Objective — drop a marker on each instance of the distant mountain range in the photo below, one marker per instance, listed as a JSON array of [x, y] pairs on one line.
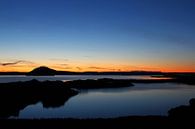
[[48, 71], [45, 71]]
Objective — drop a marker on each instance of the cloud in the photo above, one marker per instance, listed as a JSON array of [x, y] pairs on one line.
[[59, 59], [10, 63], [63, 64], [101, 68], [15, 63], [66, 67], [79, 68], [127, 68]]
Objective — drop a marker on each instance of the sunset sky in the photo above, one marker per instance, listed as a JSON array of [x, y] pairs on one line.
[[98, 35]]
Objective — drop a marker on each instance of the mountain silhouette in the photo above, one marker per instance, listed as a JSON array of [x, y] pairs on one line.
[[42, 71]]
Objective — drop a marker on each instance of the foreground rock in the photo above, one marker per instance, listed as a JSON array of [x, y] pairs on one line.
[[183, 112], [17, 95]]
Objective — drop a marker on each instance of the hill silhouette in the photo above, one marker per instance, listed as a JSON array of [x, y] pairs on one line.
[[42, 71], [46, 71]]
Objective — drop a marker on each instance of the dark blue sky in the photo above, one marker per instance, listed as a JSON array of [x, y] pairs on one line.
[[131, 34]]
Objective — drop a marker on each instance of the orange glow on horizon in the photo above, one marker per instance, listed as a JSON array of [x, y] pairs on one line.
[[98, 66], [84, 68]]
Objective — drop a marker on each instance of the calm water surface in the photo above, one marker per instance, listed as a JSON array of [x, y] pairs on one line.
[[13, 78], [141, 99]]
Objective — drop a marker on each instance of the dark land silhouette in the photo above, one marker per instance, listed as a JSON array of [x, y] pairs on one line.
[[177, 77], [45, 71], [15, 96], [186, 78], [42, 71], [183, 112]]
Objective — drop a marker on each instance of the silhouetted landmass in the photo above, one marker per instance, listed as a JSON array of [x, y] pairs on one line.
[[42, 71], [100, 83], [45, 71], [184, 112], [88, 73], [186, 78], [147, 122], [97, 73], [16, 96]]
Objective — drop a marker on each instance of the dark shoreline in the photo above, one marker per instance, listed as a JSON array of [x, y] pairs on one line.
[[111, 123], [135, 122]]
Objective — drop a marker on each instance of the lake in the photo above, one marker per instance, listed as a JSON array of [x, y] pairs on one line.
[[141, 99], [14, 78]]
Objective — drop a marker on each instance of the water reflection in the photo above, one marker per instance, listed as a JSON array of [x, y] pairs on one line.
[[14, 97], [11, 106], [14, 78], [143, 99]]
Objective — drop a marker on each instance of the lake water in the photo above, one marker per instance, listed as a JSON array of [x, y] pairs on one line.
[[14, 78], [141, 99]]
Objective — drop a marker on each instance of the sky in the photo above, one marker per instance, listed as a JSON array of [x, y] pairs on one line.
[[98, 35]]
